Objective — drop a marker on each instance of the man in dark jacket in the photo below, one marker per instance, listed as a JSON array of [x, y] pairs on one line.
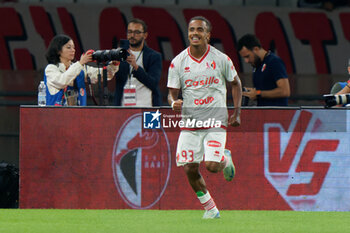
[[137, 81]]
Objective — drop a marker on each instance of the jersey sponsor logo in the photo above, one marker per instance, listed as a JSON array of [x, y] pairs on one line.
[[207, 100], [263, 67], [213, 143], [298, 162], [211, 66], [82, 92], [138, 157], [202, 82], [172, 65], [187, 69]]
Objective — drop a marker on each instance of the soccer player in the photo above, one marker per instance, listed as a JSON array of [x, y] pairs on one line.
[[201, 72]]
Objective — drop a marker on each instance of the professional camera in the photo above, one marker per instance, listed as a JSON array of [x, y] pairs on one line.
[[332, 100], [119, 54]]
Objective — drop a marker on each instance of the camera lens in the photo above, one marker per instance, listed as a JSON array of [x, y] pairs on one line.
[[118, 54], [332, 100]]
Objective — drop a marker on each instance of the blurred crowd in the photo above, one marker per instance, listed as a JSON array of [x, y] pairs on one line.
[[328, 5]]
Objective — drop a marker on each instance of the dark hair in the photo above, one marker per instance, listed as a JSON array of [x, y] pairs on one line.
[[202, 18], [53, 51], [139, 21], [249, 41]]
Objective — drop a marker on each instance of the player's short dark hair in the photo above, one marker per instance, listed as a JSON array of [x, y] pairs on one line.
[[139, 21], [55, 47], [202, 18], [249, 41]]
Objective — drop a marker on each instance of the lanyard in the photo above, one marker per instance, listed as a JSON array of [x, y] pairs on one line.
[[132, 69]]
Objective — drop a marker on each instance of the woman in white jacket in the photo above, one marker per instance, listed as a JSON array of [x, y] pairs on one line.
[[65, 79]]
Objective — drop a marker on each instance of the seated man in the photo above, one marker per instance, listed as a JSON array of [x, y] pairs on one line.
[[271, 85]]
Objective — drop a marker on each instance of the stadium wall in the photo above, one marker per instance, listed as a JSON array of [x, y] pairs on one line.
[[310, 41], [106, 158]]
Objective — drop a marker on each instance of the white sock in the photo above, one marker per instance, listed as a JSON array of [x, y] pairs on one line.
[[208, 202]]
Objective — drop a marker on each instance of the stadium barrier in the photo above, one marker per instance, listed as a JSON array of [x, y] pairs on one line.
[[106, 158]]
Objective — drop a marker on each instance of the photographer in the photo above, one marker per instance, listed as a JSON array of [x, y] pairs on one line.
[[340, 98], [137, 81], [65, 80], [345, 90]]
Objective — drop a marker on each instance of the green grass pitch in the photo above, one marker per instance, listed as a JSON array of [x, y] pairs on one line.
[[167, 221]]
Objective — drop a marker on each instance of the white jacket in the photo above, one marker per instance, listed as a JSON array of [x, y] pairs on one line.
[[58, 77]]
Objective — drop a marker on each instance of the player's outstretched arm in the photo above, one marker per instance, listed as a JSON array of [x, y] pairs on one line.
[[174, 102], [235, 119]]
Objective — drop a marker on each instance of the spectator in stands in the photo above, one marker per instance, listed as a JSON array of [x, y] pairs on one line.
[[328, 5], [65, 79], [271, 85], [137, 81]]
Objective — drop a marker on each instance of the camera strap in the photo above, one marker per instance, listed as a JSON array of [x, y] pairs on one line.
[[129, 95], [90, 87], [132, 69]]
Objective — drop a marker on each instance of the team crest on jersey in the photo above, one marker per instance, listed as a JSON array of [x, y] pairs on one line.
[[213, 65], [263, 67], [172, 65]]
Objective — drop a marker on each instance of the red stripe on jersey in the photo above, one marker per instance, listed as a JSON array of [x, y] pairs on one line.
[[195, 59]]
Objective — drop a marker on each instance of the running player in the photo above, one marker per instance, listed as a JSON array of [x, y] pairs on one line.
[[201, 72]]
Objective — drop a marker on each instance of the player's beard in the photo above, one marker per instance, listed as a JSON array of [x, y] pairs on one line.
[[137, 43], [257, 61]]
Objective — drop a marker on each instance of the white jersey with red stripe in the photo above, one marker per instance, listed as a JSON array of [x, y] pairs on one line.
[[202, 83]]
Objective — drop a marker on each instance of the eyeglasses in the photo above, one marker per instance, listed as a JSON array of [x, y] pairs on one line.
[[136, 32]]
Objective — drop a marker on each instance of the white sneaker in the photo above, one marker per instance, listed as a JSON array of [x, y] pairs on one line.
[[230, 170], [211, 214]]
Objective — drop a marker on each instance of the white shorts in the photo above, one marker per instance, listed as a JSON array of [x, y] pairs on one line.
[[200, 145]]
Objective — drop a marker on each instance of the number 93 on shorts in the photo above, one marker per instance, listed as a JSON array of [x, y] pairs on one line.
[[200, 145]]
